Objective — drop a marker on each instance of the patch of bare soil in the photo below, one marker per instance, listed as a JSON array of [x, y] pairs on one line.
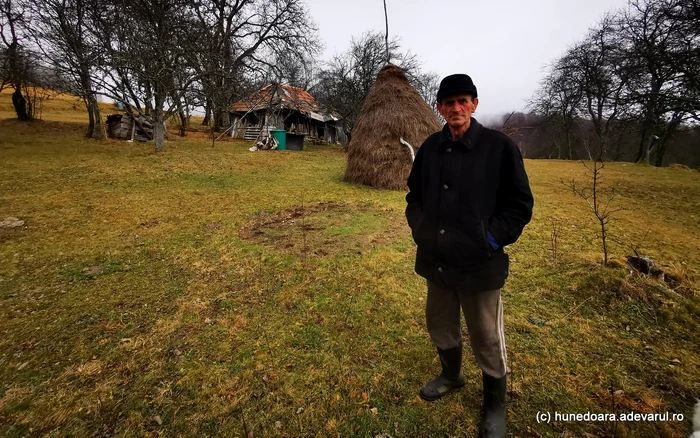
[[321, 229]]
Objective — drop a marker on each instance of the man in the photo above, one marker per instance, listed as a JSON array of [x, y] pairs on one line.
[[469, 196]]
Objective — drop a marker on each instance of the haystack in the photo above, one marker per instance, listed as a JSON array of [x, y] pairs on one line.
[[392, 110]]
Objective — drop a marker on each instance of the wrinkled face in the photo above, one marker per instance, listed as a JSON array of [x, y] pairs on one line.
[[457, 110]]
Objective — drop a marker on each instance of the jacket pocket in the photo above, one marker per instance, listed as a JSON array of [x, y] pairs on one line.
[[471, 244], [415, 231]]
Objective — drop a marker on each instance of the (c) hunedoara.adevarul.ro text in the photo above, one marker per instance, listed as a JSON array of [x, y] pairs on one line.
[[565, 417]]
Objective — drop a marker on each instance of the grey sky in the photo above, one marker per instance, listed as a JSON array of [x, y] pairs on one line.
[[503, 45]]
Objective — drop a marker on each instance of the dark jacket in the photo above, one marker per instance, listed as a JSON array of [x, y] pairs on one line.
[[459, 191]]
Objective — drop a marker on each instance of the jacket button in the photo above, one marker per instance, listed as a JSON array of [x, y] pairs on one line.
[[445, 186], [440, 269], [442, 231], [449, 149]]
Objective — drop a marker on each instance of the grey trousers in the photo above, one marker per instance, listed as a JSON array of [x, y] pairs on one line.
[[483, 312]]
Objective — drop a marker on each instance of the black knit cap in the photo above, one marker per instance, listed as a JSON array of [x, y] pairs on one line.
[[456, 84]]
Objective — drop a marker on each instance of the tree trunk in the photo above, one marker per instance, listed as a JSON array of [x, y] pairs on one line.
[[555, 147], [98, 133], [618, 145], [224, 119], [604, 148], [148, 99], [94, 120], [207, 114], [183, 123], [642, 143], [605, 243], [617, 153], [158, 129], [20, 104], [95, 126], [647, 149], [650, 120], [662, 143], [660, 152], [91, 119], [215, 119], [30, 104]]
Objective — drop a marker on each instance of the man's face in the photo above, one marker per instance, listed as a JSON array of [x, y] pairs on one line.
[[457, 110]]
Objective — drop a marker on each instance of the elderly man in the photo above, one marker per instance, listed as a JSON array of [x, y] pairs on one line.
[[469, 197]]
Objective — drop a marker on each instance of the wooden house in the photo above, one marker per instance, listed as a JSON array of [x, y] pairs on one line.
[[279, 106]]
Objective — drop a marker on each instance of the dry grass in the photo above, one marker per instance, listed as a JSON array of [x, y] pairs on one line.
[[190, 292]]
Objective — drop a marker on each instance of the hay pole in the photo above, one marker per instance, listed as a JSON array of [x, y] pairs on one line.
[[386, 34], [410, 148]]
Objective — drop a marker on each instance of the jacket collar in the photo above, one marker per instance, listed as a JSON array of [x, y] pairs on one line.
[[468, 139]]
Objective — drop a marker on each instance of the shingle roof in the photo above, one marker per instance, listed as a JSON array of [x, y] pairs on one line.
[[290, 97]]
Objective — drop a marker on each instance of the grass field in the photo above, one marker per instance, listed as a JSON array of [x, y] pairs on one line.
[[213, 291]]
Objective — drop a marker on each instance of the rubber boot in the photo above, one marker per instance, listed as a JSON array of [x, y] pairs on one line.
[[450, 378], [493, 416]]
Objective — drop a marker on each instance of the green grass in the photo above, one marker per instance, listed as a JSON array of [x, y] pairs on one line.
[[212, 287]]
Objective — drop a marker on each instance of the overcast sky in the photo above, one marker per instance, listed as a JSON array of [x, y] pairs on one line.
[[503, 45]]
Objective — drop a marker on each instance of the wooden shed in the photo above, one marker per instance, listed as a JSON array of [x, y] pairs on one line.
[[129, 127], [279, 106]]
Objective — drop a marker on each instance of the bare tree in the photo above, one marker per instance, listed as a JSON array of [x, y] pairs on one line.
[[244, 40], [598, 65], [186, 102], [427, 84], [684, 52], [146, 48], [651, 35], [599, 199], [554, 237], [16, 67], [664, 43], [344, 82], [558, 101], [63, 32], [297, 70], [638, 72]]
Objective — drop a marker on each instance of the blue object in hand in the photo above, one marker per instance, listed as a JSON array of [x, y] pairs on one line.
[[492, 242]]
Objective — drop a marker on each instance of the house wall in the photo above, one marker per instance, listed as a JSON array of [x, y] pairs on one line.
[[329, 132], [275, 120], [325, 131], [295, 123], [240, 124], [340, 135]]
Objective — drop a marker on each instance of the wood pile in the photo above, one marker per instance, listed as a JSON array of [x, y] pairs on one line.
[[129, 127]]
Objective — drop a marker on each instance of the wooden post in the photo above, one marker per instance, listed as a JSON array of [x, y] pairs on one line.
[[386, 35], [133, 128]]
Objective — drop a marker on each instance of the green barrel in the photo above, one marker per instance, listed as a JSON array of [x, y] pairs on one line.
[[281, 137]]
